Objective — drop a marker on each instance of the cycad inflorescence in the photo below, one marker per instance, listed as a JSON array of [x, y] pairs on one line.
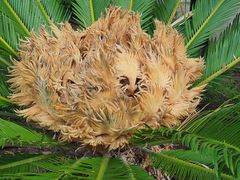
[[99, 85]]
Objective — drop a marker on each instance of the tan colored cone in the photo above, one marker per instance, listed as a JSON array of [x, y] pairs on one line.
[[100, 85]]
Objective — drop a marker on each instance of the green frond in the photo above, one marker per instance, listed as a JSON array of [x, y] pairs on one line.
[[88, 11], [179, 24], [5, 49], [223, 125], [9, 43], [57, 167], [8, 10], [12, 165], [4, 88], [191, 156], [208, 16], [223, 53], [216, 93], [103, 168], [39, 12], [31, 20], [4, 91], [3, 62], [19, 18], [183, 169], [4, 102], [215, 134], [150, 138], [150, 135], [12, 133], [146, 9], [224, 156], [56, 10], [166, 10]]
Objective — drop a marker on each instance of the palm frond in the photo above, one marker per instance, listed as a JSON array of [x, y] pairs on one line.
[[179, 24], [223, 125], [12, 133], [18, 18], [57, 167], [4, 102], [88, 11], [216, 93], [208, 16], [39, 12], [166, 10], [224, 155], [146, 9], [9, 11], [3, 61], [149, 137], [9, 38], [215, 134], [4, 90], [16, 164], [56, 10], [222, 53], [31, 20], [183, 169], [191, 156]]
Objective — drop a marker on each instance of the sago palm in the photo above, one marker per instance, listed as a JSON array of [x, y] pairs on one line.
[[115, 89]]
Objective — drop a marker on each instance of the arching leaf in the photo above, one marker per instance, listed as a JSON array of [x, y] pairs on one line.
[[88, 11], [208, 16], [19, 18], [183, 169], [223, 53], [12, 133], [57, 167], [166, 10]]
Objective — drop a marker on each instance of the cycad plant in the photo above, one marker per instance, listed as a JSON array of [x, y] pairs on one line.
[[119, 91]]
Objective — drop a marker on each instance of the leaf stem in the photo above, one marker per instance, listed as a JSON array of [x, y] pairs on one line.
[[3, 61], [16, 17], [173, 12], [70, 169], [130, 171], [167, 158], [91, 11], [204, 24], [219, 72], [103, 168], [131, 5], [180, 19], [25, 161], [11, 50], [204, 139], [4, 114], [5, 100], [43, 11]]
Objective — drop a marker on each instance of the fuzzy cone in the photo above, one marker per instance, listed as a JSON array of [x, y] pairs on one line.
[[99, 85]]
